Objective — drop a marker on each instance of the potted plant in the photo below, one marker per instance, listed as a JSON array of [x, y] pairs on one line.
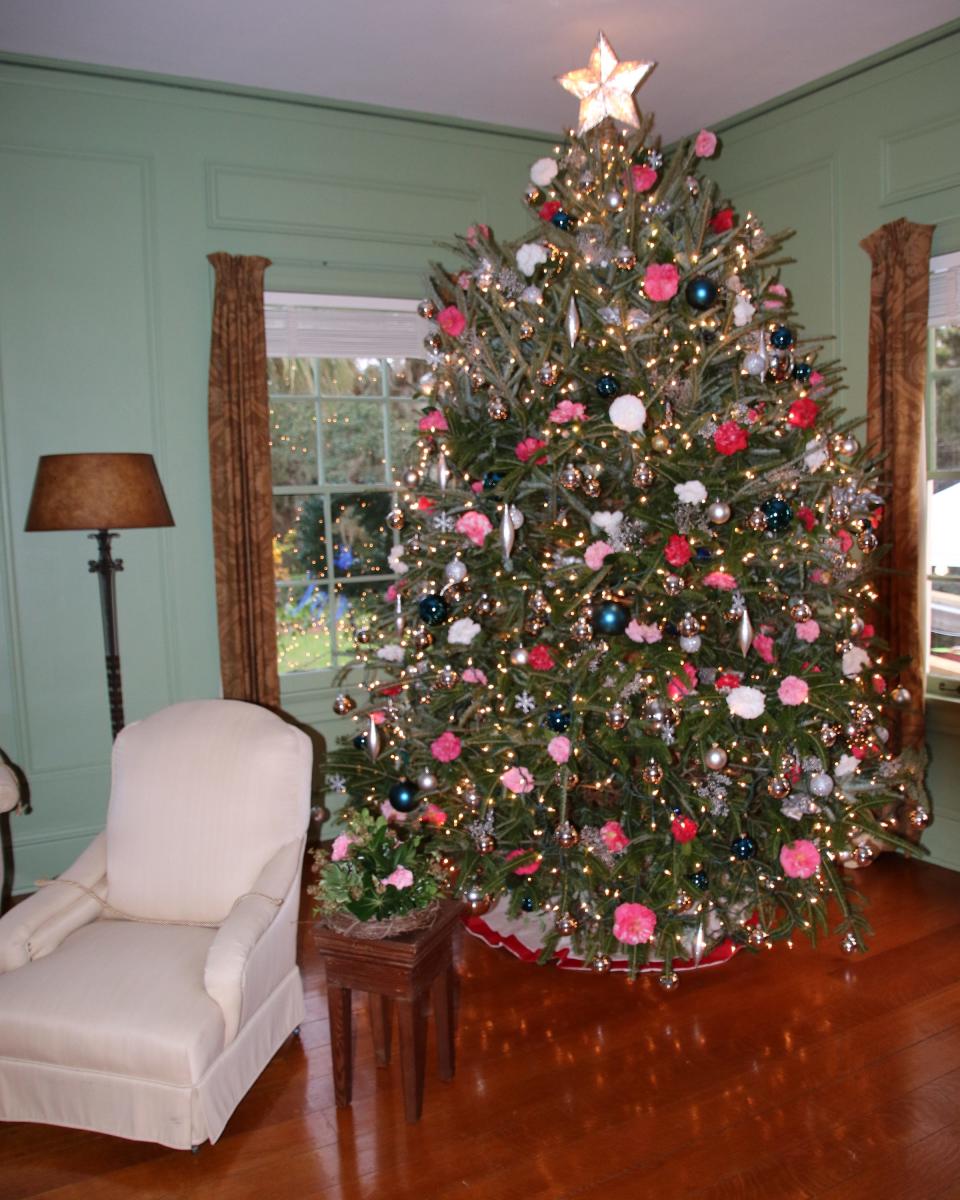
[[377, 880]]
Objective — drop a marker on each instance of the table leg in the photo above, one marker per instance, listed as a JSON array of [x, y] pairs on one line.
[[412, 1024], [341, 1043], [443, 1015], [381, 1025]]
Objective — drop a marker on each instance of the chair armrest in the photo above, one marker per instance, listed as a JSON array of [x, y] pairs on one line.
[[9, 789], [248, 921], [37, 925]]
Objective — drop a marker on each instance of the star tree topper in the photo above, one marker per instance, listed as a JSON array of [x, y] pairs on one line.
[[605, 87]]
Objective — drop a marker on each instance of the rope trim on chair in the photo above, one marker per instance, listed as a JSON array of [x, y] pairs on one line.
[[108, 909]]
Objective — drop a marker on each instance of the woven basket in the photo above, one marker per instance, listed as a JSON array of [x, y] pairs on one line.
[[351, 926]]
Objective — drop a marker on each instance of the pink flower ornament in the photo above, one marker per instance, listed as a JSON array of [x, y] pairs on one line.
[[341, 847], [763, 644], [634, 924], [446, 747], [451, 320], [799, 859], [474, 526], [474, 675], [720, 580], [529, 448], [660, 281], [793, 690], [517, 780], [643, 633], [807, 631], [613, 837], [433, 422], [529, 868], [706, 144], [595, 553], [566, 411], [559, 749]]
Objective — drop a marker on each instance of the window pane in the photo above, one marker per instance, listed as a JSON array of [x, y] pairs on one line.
[[357, 606], [352, 433], [303, 627], [293, 441], [404, 419], [946, 346], [360, 537], [350, 377], [291, 376], [404, 375], [946, 399], [299, 545], [945, 627]]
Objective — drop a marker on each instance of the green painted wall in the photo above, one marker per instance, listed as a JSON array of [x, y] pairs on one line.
[[835, 164], [112, 193]]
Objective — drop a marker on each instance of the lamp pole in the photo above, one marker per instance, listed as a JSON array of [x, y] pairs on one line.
[[106, 567]]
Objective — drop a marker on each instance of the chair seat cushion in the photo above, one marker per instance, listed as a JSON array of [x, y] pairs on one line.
[[119, 997]]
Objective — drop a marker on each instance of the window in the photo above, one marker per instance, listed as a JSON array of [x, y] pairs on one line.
[[344, 375], [943, 476]]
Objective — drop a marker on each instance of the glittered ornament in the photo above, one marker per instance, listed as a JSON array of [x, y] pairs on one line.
[[757, 520], [570, 477], [526, 331], [821, 785], [715, 759], [566, 924], [743, 847], [427, 309], [611, 618], [558, 719], [422, 638], [591, 487], [701, 293], [403, 795], [433, 609], [497, 409], [566, 835], [617, 717], [718, 513], [673, 585], [778, 513], [344, 704], [455, 570], [581, 630], [644, 476], [779, 365], [548, 374], [778, 787], [607, 386], [918, 817], [782, 337], [652, 773], [690, 645], [682, 901], [757, 936], [625, 259], [476, 899], [867, 541], [486, 843]]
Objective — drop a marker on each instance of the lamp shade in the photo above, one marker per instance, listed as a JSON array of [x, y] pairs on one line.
[[97, 491]]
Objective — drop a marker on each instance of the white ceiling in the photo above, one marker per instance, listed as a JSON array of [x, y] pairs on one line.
[[488, 60]]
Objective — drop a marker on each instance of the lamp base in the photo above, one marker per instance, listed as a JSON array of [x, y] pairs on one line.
[[106, 567]]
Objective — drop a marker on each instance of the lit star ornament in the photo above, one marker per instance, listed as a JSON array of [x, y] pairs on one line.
[[605, 88]]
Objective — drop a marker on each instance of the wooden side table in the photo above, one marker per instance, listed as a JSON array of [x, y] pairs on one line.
[[400, 969]]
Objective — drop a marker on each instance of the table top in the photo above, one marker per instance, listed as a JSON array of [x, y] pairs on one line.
[[404, 949]]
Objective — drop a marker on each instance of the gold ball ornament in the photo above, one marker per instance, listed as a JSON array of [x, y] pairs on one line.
[[660, 442], [566, 835], [497, 409], [652, 773], [486, 843], [778, 787], [581, 630], [427, 309], [757, 520], [477, 900], [566, 924], [919, 817], [600, 964], [344, 704], [673, 585], [617, 717], [446, 678], [644, 476], [422, 638], [471, 799], [801, 611], [591, 487], [548, 374], [525, 331], [570, 477], [396, 518]]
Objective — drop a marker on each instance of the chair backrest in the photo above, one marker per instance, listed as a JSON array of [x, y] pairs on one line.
[[9, 798], [203, 794]]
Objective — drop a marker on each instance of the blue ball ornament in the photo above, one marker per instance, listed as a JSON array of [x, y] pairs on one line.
[[701, 293], [611, 618], [491, 479], [360, 741], [562, 220], [743, 847], [608, 385], [527, 903], [782, 337], [433, 609], [802, 372], [703, 554], [558, 719], [778, 512], [699, 880], [403, 795]]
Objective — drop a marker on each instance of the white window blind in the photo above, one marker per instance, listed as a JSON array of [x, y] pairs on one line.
[[944, 308], [314, 326]]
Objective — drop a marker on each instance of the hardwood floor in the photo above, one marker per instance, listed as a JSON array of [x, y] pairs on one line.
[[790, 1074]]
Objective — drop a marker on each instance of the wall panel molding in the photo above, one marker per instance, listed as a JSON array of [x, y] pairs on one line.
[[920, 160]]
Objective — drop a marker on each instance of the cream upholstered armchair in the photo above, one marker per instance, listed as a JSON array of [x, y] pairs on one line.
[[144, 997]]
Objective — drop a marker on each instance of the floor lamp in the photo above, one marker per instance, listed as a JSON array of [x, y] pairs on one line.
[[101, 492]]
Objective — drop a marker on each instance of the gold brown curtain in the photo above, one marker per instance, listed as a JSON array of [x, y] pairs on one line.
[[899, 287], [240, 481]]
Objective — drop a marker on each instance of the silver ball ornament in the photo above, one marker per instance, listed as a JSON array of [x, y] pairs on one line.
[[411, 478], [919, 817], [519, 656], [821, 784], [617, 717], [455, 570], [690, 645], [718, 513], [754, 363], [715, 758], [613, 199], [427, 781], [673, 585], [644, 476], [566, 835], [477, 900], [486, 843], [600, 964], [901, 696], [566, 924]]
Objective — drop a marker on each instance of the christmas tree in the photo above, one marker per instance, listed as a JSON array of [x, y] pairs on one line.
[[627, 671]]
